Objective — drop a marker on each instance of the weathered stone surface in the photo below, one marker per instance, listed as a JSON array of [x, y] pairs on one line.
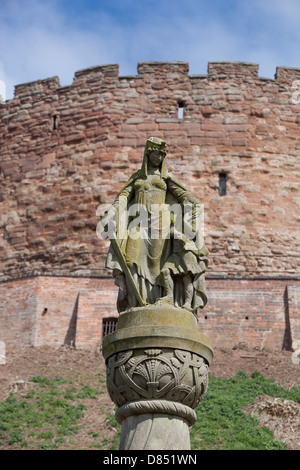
[[165, 323], [95, 115], [154, 432]]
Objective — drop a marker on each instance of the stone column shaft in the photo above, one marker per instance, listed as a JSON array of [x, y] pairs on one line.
[[157, 373]]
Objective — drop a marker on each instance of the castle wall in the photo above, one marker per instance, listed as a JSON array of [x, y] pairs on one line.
[[66, 150], [58, 310], [258, 312], [18, 311], [55, 310]]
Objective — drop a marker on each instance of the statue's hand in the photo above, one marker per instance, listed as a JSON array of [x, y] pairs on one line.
[[182, 240], [191, 200], [178, 236]]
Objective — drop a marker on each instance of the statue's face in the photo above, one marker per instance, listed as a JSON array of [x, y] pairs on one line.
[[155, 158]]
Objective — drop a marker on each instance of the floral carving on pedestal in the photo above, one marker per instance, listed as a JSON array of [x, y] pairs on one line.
[[157, 374]]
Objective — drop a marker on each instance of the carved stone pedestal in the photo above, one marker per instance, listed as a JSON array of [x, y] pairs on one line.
[[157, 373]]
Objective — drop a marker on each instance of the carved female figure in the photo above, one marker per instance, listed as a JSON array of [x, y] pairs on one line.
[[152, 258]]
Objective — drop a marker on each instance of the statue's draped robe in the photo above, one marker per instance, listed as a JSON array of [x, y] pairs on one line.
[[148, 253]]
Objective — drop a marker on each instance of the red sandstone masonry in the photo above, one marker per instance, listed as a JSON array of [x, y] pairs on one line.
[[65, 150], [259, 313], [234, 122], [46, 310], [17, 311]]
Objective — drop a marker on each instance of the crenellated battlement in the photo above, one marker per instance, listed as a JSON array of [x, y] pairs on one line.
[[105, 75], [37, 87], [287, 74], [232, 70], [100, 73]]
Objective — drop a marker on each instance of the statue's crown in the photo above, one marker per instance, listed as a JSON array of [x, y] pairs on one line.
[[157, 142]]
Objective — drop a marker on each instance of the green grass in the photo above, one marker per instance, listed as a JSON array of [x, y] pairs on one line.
[[48, 416], [222, 423], [44, 416]]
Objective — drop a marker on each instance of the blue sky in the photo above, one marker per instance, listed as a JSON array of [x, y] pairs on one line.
[[44, 38]]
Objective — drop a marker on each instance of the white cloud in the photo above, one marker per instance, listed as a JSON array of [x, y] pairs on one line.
[[39, 39], [39, 43]]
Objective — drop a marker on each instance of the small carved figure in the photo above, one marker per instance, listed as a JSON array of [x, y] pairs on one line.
[[156, 253]]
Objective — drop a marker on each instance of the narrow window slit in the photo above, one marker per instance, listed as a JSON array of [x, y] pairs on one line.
[[54, 122], [222, 184], [180, 110]]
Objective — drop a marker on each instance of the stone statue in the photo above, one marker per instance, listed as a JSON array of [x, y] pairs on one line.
[[156, 254], [157, 360]]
